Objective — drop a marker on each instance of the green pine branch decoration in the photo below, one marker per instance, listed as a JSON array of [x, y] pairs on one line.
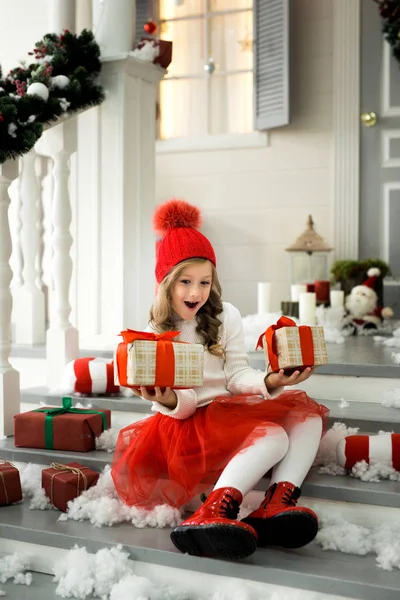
[[390, 13], [68, 66]]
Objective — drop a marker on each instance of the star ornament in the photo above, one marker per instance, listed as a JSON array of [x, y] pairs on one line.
[[246, 45]]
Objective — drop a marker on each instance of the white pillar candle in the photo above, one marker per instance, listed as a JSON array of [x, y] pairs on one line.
[[336, 298], [263, 298], [114, 23], [307, 308], [296, 289]]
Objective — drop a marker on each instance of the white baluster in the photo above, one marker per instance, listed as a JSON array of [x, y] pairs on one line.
[[41, 171], [62, 344], [9, 377], [15, 229], [47, 197], [29, 299]]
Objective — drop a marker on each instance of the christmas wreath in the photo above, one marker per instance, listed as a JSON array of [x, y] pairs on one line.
[[61, 79], [390, 13]]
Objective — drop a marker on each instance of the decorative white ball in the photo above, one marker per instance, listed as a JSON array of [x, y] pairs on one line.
[[60, 81], [38, 89]]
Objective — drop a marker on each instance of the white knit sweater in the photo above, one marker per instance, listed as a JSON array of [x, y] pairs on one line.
[[224, 376]]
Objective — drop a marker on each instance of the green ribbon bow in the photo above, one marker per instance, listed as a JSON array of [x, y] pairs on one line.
[[66, 408]]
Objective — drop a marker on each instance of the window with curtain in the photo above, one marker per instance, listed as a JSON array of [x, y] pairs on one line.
[[229, 72]]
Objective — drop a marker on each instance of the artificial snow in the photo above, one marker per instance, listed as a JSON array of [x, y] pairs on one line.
[[374, 472], [31, 484], [108, 574], [14, 566], [342, 536], [107, 440], [101, 506], [396, 357], [391, 399]]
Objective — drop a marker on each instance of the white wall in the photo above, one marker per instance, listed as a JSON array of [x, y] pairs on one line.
[[255, 202]]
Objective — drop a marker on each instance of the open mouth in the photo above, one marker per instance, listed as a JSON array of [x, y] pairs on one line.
[[191, 305]]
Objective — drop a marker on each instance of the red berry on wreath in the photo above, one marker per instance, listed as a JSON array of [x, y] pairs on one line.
[[150, 27]]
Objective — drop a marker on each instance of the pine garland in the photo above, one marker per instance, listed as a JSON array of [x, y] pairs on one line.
[[390, 13], [22, 116]]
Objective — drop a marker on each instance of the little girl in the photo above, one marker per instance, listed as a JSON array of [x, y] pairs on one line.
[[227, 433]]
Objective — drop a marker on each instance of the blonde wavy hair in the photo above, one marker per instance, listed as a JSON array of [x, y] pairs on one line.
[[162, 316]]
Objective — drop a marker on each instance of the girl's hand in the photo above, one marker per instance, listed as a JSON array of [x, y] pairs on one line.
[[167, 397], [275, 380]]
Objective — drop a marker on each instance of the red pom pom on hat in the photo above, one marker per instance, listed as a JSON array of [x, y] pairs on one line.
[[176, 213], [177, 220]]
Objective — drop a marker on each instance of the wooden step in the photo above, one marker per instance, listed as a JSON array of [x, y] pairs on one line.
[[308, 568]]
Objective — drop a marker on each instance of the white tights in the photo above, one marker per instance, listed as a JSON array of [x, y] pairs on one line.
[[291, 454]]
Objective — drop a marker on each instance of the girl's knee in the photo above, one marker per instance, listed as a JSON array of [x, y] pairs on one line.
[[277, 437]]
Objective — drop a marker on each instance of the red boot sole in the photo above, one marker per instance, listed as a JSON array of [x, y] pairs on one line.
[[287, 530], [223, 541]]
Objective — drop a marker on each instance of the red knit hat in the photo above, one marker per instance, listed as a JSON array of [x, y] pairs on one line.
[[177, 221], [373, 274]]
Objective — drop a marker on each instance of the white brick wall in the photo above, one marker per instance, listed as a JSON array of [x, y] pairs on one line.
[[255, 202]]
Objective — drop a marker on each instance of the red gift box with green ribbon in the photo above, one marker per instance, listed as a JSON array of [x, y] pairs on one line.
[[61, 428], [289, 347], [10, 483]]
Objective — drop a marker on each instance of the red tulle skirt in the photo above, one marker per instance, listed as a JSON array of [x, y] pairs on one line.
[[162, 460]]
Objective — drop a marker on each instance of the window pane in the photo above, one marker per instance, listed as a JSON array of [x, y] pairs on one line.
[[232, 41], [217, 5], [231, 103], [173, 9], [183, 108], [188, 53]]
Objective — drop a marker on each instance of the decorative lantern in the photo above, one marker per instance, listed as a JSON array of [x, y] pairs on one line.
[[309, 256]]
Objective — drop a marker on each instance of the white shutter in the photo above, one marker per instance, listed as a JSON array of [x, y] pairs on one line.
[[271, 63], [142, 11]]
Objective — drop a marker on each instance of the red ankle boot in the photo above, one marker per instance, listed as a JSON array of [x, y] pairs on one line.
[[213, 529], [279, 522]]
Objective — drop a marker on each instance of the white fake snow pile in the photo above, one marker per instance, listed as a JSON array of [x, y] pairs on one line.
[[13, 567], [349, 538]]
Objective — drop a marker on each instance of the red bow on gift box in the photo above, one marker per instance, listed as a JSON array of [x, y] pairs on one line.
[[306, 342], [165, 357]]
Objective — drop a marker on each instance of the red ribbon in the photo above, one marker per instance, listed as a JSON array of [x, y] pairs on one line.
[[130, 335], [165, 356], [306, 343]]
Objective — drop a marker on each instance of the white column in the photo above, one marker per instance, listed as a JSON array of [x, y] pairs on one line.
[[61, 16], [114, 23], [116, 195], [62, 343], [29, 299], [9, 377], [346, 125], [84, 15]]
